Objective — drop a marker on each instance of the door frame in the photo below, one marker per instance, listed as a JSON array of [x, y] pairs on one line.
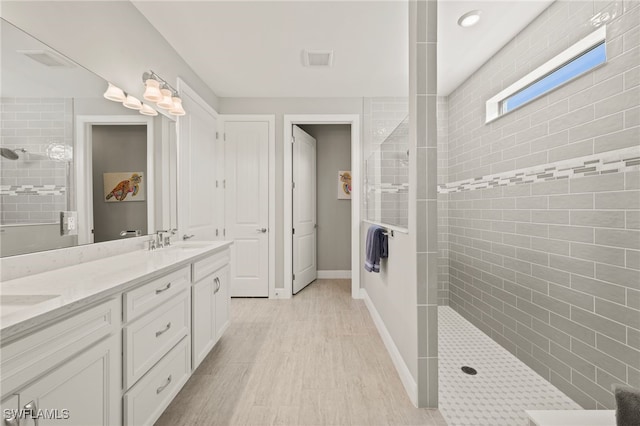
[[83, 167], [297, 119], [270, 119]]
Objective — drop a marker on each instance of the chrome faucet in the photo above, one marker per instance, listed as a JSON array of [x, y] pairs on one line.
[[160, 240]]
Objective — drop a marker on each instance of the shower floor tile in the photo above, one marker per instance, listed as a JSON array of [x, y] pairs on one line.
[[502, 389]]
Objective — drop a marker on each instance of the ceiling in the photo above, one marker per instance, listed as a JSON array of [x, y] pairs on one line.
[[254, 48]]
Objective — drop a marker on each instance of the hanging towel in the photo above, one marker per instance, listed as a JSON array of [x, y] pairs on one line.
[[376, 248]]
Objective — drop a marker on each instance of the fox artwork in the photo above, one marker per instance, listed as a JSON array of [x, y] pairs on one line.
[[124, 187]]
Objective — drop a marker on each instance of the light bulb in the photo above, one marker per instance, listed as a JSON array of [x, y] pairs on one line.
[[152, 92], [166, 102], [114, 93], [132, 103], [177, 107]]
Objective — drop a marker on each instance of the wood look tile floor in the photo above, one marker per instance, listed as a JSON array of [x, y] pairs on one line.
[[315, 359]]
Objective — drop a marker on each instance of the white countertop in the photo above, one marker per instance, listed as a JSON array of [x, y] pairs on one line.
[[572, 417], [30, 301]]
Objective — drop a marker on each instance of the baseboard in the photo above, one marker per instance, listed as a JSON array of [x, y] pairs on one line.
[[334, 275], [409, 383]]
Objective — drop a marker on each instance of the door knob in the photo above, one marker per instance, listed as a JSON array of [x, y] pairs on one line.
[[262, 230]]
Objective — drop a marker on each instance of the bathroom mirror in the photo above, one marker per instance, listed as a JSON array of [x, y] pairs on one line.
[[75, 168]]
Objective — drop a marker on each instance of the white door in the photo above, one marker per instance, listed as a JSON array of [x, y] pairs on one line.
[[246, 149], [196, 192], [203, 333], [304, 209]]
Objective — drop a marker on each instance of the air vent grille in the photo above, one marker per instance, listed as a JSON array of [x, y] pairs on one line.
[[47, 58], [317, 58]]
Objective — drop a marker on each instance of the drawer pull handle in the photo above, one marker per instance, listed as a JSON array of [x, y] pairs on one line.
[[161, 332], [162, 290], [217, 281], [161, 388], [32, 410]]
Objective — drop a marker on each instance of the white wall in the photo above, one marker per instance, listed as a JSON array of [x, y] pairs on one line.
[[280, 107], [110, 38]]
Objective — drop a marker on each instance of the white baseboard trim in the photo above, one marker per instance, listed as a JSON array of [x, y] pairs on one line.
[[409, 383], [334, 275]]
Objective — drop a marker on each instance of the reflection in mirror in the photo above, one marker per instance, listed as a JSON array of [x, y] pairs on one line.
[[75, 168], [386, 155]]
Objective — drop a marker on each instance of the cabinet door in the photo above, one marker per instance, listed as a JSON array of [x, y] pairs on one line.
[[84, 391], [203, 332], [223, 301]]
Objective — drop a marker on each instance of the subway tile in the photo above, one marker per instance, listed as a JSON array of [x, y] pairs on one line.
[[619, 313], [633, 338], [551, 304], [579, 364], [617, 350], [532, 256], [618, 238], [573, 329], [616, 103], [532, 229], [599, 127], [598, 218], [598, 253], [601, 289], [633, 377], [531, 160], [573, 297], [598, 183], [551, 246], [621, 276], [632, 219], [603, 396], [595, 93], [533, 309], [599, 323], [573, 392], [577, 149], [574, 201], [599, 358], [572, 119], [517, 265], [632, 179], [618, 140], [569, 264], [632, 259], [550, 187], [549, 142], [618, 200], [551, 275], [550, 216]]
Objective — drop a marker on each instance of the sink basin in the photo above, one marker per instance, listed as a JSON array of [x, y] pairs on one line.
[[10, 303], [191, 246]]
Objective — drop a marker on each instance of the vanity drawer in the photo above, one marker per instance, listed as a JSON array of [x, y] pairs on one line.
[[146, 297], [29, 357], [150, 337], [209, 265], [146, 401]]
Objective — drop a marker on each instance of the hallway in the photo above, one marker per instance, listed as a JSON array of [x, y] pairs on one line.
[[316, 359]]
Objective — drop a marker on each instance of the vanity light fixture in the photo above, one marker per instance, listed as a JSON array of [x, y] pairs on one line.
[[147, 110], [162, 93], [114, 93], [132, 103], [152, 91], [177, 107], [469, 19]]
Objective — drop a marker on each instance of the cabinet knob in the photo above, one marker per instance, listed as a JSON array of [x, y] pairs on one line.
[[262, 230]]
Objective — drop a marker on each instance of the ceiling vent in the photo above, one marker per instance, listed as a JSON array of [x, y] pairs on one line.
[[317, 58], [48, 58]]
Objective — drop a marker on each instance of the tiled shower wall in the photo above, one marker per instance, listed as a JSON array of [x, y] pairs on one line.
[[33, 188], [544, 206], [442, 108]]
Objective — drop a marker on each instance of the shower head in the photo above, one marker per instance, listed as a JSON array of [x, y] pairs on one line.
[[8, 154]]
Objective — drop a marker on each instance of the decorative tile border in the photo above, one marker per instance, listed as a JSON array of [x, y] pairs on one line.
[[623, 160], [32, 190]]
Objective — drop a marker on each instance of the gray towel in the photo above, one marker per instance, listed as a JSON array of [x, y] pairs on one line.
[[628, 405], [376, 248]]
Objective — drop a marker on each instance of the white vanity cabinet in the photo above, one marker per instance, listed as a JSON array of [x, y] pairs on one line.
[[210, 303], [68, 372]]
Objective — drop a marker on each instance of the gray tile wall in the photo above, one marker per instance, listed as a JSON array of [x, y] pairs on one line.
[[423, 76], [442, 109], [34, 187], [550, 270]]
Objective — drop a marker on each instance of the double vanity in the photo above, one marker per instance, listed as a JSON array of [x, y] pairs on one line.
[[110, 341]]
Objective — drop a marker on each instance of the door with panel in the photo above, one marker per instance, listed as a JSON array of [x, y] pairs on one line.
[[63, 391], [304, 210], [247, 206], [197, 152]]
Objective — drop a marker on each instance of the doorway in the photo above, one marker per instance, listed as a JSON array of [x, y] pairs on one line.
[[302, 260], [119, 171]]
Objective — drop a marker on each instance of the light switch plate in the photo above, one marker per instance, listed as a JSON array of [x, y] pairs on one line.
[[69, 223]]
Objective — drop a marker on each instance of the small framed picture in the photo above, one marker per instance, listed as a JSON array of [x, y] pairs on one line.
[[344, 185], [124, 187]]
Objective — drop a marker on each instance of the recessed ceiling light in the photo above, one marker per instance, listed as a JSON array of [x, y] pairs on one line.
[[469, 19]]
